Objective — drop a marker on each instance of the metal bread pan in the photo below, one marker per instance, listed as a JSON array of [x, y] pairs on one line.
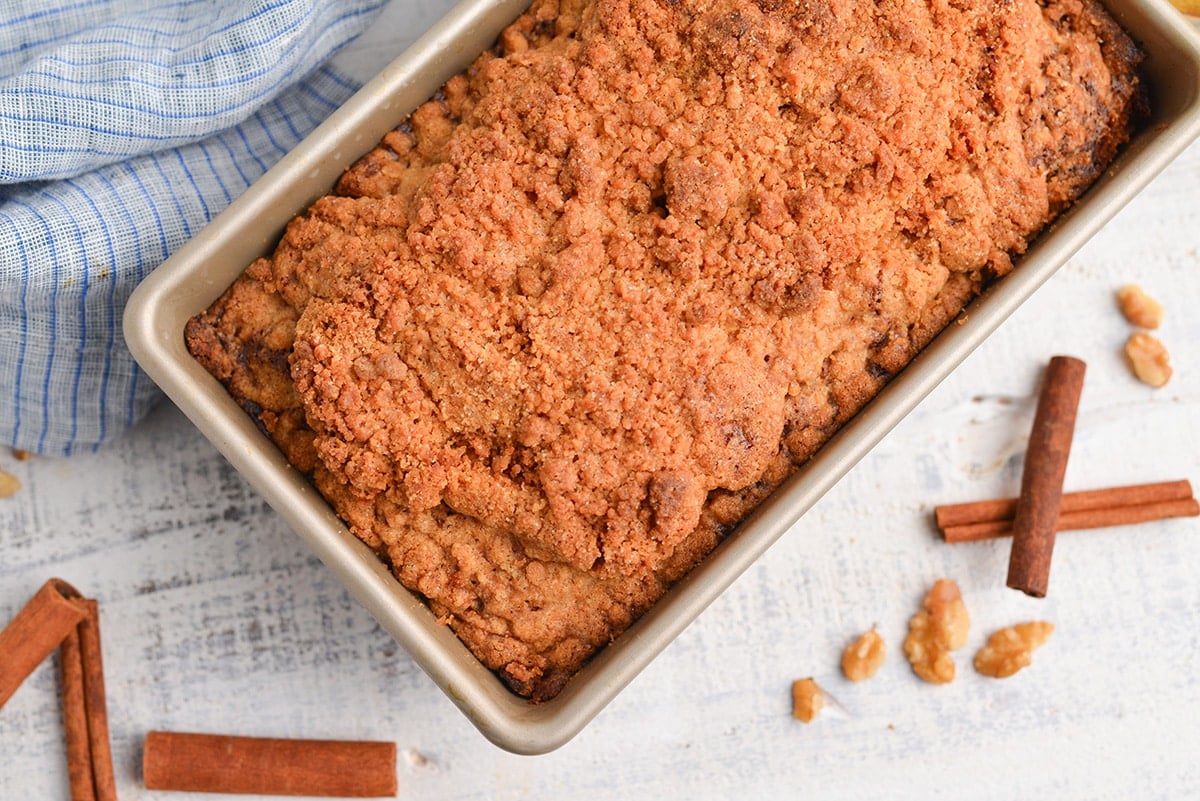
[[200, 271]]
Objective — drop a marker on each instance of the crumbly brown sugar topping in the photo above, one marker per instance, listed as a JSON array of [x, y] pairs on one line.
[[643, 249], [584, 309]]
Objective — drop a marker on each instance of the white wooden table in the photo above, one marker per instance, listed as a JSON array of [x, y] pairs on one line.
[[216, 618]]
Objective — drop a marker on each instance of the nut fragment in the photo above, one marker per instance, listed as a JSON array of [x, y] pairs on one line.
[[415, 758], [807, 699], [939, 628], [1008, 650], [21, 456], [1148, 359], [1138, 307], [1189, 7], [8, 484], [863, 657]]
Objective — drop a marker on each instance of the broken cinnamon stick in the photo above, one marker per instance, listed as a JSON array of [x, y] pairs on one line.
[[1081, 519], [212, 763], [1036, 518], [95, 704], [39, 628], [961, 514], [79, 751]]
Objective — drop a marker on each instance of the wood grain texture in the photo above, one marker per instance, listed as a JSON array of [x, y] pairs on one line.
[[217, 618]]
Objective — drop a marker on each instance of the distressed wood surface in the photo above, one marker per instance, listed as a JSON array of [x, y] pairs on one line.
[[216, 618]]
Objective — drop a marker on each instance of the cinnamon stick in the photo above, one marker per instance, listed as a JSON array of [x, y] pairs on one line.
[[1081, 519], [96, 704], [211, 763], [1036, 518], [79, 750], [961, 514], [39, 628]]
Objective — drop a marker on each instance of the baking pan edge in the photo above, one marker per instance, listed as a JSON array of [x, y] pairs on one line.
[[205, 266]]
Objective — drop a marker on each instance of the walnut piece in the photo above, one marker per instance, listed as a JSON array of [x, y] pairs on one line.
[[1148, 359], [862, 658], [940, 627], [1138, 307], [8, 484], [1008, 650], [1189, 7], [807, 699]]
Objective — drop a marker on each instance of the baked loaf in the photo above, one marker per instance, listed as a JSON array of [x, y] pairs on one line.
[[545, 345]]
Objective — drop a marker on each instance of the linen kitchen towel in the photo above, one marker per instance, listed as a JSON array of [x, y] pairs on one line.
[[125, 126]]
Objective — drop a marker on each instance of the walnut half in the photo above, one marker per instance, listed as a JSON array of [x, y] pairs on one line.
[[1138, 307], [863, 657], [807, 699], [1148, 358], [1010, 649], [940, 627]]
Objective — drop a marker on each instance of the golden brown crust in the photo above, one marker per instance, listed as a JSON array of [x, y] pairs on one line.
[[589, 305]]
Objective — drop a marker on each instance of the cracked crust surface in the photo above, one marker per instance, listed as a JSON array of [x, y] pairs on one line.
[[584, 309]]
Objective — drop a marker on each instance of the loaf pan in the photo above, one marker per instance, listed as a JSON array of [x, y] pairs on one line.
[[201, 270]]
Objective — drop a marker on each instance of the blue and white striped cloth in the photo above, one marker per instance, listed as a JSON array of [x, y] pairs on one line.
[[125, 125]]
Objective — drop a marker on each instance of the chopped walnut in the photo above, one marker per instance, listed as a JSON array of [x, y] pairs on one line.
[[1148, 359], [1138, 307], [862, 658], [8, 484], [937, 629], [1008, 650], [807, 699], [415, 758]]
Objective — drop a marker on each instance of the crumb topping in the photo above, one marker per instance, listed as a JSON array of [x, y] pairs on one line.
[[592, 302]]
